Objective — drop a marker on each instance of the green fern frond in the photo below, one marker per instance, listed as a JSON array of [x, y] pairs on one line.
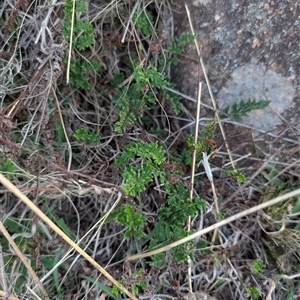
[[177, 45], [238, 110]]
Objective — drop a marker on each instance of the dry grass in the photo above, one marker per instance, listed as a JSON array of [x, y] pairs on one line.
[[77, 188]]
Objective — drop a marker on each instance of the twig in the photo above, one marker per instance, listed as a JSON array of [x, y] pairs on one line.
[[218, 225], [193, 178], [71, 41], [2, 271], [24, 260], [215, 198], [129, 20], [209, 89], [37, 211]]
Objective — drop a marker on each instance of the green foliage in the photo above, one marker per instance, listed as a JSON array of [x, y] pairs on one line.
[[174, 99], [134, 221], [142, 161], [79, 71], [205, 142], [141, 93], [177, 45], [238, 175], [254, 292], [116, 291], [172, 220], [143, 21], [83, 37], [149, 75], [179, 205], [7, 167], [150, 151], [243, 108], [258, 266], [139, 284], [282, 246], [84, 135], [137, 176], [83, 31], [134, 99]]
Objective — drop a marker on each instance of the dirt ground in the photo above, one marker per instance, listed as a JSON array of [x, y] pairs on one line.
[[259, 36]]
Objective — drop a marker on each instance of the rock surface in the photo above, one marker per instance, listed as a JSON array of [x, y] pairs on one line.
[[255, 82], [250, 49]]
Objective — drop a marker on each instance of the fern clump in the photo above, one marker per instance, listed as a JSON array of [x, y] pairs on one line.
[[149, 158], [142, 162], [148, 81], [139, 96]]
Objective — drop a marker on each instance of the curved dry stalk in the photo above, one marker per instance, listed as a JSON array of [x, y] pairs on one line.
[[218, 225], [40, 214]]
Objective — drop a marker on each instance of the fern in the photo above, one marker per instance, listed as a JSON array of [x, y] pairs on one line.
[[141, 94], [177, 45], [142, 161], [83, 37], [143, 21], [83, 31], [243, 108], [150, 157], [134, 221], [172, 219]]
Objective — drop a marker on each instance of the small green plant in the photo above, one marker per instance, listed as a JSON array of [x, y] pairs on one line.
[[141, 162], [84, 135], [172, 218], [238, 175], [79, 71], [254, 292], [238, 110], [150, 157], [83, 37], [7, 167], [205, 143], [143, 21], [138, 97], [133, 220], [140, 94], [83, 31], [177, 46], [139, 283], [258, 266]]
